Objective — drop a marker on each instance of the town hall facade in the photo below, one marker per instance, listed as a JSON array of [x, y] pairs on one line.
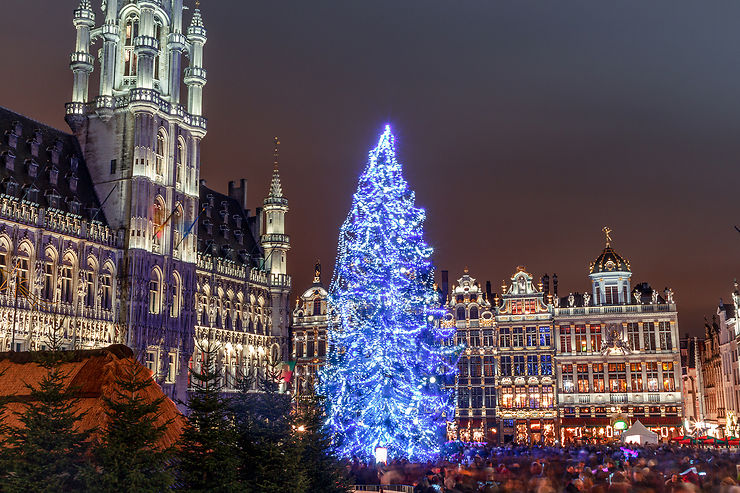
[[108, 234]]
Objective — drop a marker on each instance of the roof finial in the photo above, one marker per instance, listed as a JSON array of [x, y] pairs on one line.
[[276, 151], [607, 231], [276, 189], [317, 272], [197, 4]]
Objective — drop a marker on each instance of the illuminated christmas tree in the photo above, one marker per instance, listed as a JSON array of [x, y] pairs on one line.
[[386, 363]]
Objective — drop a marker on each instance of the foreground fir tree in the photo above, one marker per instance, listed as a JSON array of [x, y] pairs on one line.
[[209, 454], [46, 453], [271, 450], [386, 362], [323, 470], [126, 457]]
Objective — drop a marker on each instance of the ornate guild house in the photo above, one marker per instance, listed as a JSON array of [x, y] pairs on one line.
[[469, 311], [310, 323], [108, 234], [618, 355]]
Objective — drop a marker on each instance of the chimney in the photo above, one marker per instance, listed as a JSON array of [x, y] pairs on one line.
[[445, 284], [239, 193], [488, 291], [555, 284], [546, 284]]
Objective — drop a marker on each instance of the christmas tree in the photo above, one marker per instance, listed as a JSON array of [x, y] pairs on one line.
[[386, 362]]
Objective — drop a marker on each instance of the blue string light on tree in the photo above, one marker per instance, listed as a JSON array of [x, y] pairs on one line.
[[387, 363]]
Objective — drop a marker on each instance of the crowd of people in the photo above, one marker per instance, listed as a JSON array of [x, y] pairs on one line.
[[591, 469]]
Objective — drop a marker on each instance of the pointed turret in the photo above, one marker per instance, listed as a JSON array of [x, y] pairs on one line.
[[195, 74], [276, 244]]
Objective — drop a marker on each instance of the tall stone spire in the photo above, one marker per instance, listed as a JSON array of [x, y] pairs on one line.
[[276, 188]]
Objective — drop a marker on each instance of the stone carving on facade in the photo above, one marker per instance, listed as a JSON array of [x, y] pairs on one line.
[[556, 301], [637, 297], [654, 297], [615, 343], [586, 299], [571, 300]]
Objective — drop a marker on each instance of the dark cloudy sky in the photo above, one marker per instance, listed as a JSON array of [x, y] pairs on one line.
[[524, 126]]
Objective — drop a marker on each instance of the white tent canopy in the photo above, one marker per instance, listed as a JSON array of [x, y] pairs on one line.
[[639, 435]]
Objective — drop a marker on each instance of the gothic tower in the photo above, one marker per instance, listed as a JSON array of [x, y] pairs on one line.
[[142, 147], [276, 245]]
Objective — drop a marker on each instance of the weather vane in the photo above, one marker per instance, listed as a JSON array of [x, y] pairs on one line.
[[607, 231], [276, 151]]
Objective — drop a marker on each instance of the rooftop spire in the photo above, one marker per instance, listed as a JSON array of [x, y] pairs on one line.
[[317, 273], [197, 20], [276, 189]]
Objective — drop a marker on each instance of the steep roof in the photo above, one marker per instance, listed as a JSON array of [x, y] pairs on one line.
[[44, 165], [93, 372], [222, 224]]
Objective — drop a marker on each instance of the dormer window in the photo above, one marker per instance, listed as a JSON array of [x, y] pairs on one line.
[[11, 188], [224, 230], [239, 236], [73, 180], [238, 221], [53, 198], [12, 140], [74, 163], [33, 194], [35, 143], [54, 175], [33, 168], [74, 206], [209, 227], [56, 151], [10, 160]]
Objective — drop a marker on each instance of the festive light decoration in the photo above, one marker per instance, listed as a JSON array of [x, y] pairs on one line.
[[387, 364]]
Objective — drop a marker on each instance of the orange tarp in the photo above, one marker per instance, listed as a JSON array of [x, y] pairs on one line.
[[93, 373]]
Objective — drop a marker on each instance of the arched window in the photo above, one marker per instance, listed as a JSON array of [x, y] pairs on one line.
[[155, 292], [474, 313], [131, 30], [316, 307], [181, 162], [4, 252], [23, 263], [90, 276], [159, 151], [106, 289], [176, 295], [66, 277], [461, 313], [158, 219]]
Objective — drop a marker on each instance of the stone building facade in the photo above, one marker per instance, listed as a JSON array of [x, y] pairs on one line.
[[308, 332], [109, 234], [525, 383], [471, 313], [618, 353]]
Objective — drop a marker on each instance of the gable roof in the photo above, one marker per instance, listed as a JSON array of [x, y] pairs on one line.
[[35, 148], [93, 373]]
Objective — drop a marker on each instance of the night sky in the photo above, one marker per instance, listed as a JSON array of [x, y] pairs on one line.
[[524, 127]]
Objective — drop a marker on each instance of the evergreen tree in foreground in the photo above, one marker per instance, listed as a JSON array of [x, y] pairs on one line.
[[271, 450], [323, 470], [46, 453], [386, 364], [127, 457], [209, 454]]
